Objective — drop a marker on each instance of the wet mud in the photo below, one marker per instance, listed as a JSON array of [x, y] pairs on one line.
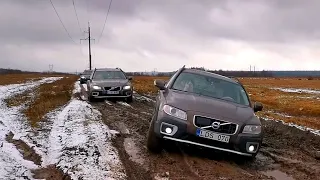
[[286, 152]]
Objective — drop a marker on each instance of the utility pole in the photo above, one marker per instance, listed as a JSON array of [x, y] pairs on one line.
[[89, 39], [50, 68]]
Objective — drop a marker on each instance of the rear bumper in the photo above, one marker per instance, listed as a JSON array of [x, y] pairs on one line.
[[184, 132]]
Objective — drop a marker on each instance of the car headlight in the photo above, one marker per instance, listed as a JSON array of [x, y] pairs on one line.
[[126, 87], [252, 129], [172, 111], [96, 87]]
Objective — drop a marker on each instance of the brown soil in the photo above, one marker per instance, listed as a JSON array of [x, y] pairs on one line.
[[50, 173], [285, 149]]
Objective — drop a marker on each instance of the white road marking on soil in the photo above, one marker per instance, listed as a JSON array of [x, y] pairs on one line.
[[12, 164]]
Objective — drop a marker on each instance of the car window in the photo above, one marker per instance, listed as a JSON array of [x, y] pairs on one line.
[[101, 75], [210, 86]]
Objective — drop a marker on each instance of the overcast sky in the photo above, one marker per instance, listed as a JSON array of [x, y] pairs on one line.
[[151, 34]]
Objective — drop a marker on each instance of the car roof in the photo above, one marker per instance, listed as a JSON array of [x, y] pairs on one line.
[[107, 69], [86, 71], [210, 74]]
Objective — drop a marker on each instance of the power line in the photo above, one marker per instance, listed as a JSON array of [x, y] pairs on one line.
[[75, 10], [62, 22], [105, 20], [87, 9]]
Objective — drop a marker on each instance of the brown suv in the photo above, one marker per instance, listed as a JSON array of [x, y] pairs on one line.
[[205, 109]]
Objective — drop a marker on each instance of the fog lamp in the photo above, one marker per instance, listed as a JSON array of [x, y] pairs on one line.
[[251, 148], [168, 130]]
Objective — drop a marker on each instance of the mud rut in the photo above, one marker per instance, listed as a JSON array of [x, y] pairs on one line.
[[287, 153]]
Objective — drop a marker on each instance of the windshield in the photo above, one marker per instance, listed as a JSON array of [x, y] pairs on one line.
[[212, 87], [100, 75]]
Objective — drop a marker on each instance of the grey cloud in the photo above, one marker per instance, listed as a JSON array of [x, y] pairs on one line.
[[254, 21]]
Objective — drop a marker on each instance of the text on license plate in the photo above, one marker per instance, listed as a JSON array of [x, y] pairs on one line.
[[112, 92], [212, 135]]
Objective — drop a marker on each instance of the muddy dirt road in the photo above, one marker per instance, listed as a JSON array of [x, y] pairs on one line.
[[287, 153]]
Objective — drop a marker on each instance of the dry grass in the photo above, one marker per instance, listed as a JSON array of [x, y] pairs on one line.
[[6, 79], [144, 84], [300, 108], [49, 97], [282, 82], [19, 99]]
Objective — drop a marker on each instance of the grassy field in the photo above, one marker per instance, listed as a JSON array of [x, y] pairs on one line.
[[44, 98], [300, 108], [6, 79]]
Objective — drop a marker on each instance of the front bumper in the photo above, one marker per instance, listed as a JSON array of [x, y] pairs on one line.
[[124, 93], [184, 132]]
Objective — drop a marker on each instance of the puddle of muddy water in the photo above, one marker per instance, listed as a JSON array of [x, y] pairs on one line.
[[133, 151], [278, 175]]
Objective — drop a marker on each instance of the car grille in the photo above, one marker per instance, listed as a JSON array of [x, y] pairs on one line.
[[112, 88], [206, 123]]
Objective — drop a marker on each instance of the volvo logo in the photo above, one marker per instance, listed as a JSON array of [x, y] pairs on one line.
[[215, 125]]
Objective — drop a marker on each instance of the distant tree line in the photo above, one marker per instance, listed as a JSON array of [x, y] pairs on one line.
[[16, 71], [263, 73]]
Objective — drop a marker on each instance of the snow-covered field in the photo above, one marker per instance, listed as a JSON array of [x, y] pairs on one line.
[[73, 138]]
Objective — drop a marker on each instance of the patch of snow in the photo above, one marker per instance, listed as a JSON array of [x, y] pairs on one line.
[[280, 114], [303, 128], [12, 164], [124, 104], [79, 143], [77, 87], [295, 90], [85, 87], [107, 102], [142, 98], [146, 113]]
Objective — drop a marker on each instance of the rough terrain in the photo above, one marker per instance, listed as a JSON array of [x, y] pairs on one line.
[[287, 152], [107, 140]]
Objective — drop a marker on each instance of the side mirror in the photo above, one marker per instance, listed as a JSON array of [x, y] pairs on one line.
[[130, 78], [257, 106], [159, 84]]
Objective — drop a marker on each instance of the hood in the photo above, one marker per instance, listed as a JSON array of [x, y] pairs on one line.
[[215, 108], [111, 82]]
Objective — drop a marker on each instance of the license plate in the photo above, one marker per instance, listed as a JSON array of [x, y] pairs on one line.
[[112, 92], [212, 135]]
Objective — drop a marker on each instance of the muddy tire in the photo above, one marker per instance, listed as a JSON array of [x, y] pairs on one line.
[[90, 98], [129, 99], [154, 143]]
